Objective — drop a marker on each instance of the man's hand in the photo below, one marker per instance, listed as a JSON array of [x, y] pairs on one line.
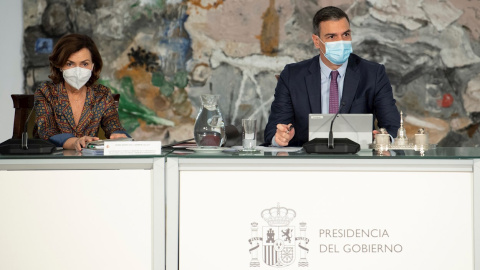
[[284, 134]]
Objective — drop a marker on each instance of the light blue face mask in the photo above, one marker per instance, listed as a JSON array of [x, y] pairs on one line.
[[337, 52]]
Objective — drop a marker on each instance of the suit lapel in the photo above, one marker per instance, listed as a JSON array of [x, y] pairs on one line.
[[314, 82], [350, 84]]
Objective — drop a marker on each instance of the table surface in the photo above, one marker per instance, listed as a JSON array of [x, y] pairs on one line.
[[229, 153]]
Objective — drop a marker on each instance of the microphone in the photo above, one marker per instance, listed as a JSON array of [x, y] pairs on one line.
[[330, 134], [25, 146], [25, 130], [330, 145]]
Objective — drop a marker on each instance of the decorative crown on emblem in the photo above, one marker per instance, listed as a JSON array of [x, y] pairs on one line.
[[278, 216]]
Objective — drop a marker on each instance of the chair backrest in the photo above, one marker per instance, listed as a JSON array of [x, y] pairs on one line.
[[23, 103]]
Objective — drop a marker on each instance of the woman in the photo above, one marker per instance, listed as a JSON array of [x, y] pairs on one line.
[[71, 108]]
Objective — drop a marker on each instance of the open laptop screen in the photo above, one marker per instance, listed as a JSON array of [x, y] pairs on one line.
[[356, 127]]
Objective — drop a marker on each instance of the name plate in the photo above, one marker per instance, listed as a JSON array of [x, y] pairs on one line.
[[132, 148]]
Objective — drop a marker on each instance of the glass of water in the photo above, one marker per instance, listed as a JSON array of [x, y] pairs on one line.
[[249, 134]]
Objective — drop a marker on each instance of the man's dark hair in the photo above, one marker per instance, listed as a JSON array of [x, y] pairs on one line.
[[329, 13]]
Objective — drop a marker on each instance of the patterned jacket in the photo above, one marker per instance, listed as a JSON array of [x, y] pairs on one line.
[[55, 120]]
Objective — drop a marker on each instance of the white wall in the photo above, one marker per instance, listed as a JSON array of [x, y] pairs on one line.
[[11, 74]]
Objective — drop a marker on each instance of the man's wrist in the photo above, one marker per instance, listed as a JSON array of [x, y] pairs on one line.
[[274, 143]]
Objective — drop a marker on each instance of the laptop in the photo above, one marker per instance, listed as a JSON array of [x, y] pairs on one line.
[[356, 127]]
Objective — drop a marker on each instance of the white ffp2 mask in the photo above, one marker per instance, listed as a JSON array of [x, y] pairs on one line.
[[77, 76]]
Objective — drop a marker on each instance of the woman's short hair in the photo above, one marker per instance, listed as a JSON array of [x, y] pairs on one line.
[[329, 13], [66, 46]]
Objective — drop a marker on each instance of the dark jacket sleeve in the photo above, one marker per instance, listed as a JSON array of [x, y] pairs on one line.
[[282, 111], [385, 110]]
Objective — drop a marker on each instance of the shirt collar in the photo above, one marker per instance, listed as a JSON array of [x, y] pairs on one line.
[[326, 70]]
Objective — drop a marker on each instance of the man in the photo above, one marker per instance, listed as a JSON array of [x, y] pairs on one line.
[[307, 87]]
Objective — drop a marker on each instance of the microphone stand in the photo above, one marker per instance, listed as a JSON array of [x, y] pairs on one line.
[[25, 130], [330, 143]]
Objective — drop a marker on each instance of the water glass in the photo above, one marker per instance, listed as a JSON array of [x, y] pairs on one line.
[[249, 134]]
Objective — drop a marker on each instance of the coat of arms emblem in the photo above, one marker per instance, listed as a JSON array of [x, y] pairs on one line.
[[279, 239]]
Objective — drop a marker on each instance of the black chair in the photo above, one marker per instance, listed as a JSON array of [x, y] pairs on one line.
[[22, 105]]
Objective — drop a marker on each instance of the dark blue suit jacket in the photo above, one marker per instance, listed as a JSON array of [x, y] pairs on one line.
[[366, 89]]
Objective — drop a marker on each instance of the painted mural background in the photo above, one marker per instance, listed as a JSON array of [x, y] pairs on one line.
[[161, 55]]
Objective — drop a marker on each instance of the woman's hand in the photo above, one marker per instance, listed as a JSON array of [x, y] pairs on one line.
[[117, 136], [78, 143]]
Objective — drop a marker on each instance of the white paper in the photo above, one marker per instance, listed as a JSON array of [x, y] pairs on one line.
[[133, 148]]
